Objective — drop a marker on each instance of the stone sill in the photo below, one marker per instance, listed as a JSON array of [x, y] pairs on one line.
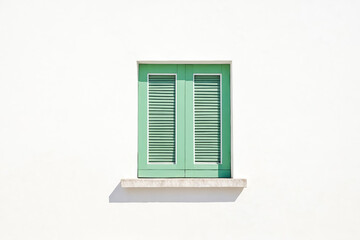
[[184, 183]]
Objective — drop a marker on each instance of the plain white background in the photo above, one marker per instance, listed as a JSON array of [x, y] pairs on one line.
[[68, 116]]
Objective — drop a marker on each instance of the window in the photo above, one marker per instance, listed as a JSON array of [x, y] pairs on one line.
[[184, 121]]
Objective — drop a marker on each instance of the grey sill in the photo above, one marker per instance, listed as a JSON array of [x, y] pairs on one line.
[[184, 183]]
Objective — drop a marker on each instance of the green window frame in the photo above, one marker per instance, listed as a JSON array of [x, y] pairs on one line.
[[184, 121]]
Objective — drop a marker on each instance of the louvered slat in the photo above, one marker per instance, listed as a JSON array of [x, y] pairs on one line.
[[207, 118], [161, 128]]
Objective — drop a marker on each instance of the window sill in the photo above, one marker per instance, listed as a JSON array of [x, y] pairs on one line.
[[184, 183]]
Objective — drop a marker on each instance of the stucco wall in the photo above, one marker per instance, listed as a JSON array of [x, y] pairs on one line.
[[68, 105]]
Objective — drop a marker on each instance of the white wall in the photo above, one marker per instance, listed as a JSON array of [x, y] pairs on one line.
[[68, 92]]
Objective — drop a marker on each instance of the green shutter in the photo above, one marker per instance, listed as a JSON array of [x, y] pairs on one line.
[[161, 115], [184, 120], [207, 119], [160, 120], [208, 145]]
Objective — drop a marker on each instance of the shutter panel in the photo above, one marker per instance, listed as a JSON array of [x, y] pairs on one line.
[[161, 118], [207, 118]]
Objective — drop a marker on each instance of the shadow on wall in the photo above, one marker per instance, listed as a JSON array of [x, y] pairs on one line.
[[174, 194]]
